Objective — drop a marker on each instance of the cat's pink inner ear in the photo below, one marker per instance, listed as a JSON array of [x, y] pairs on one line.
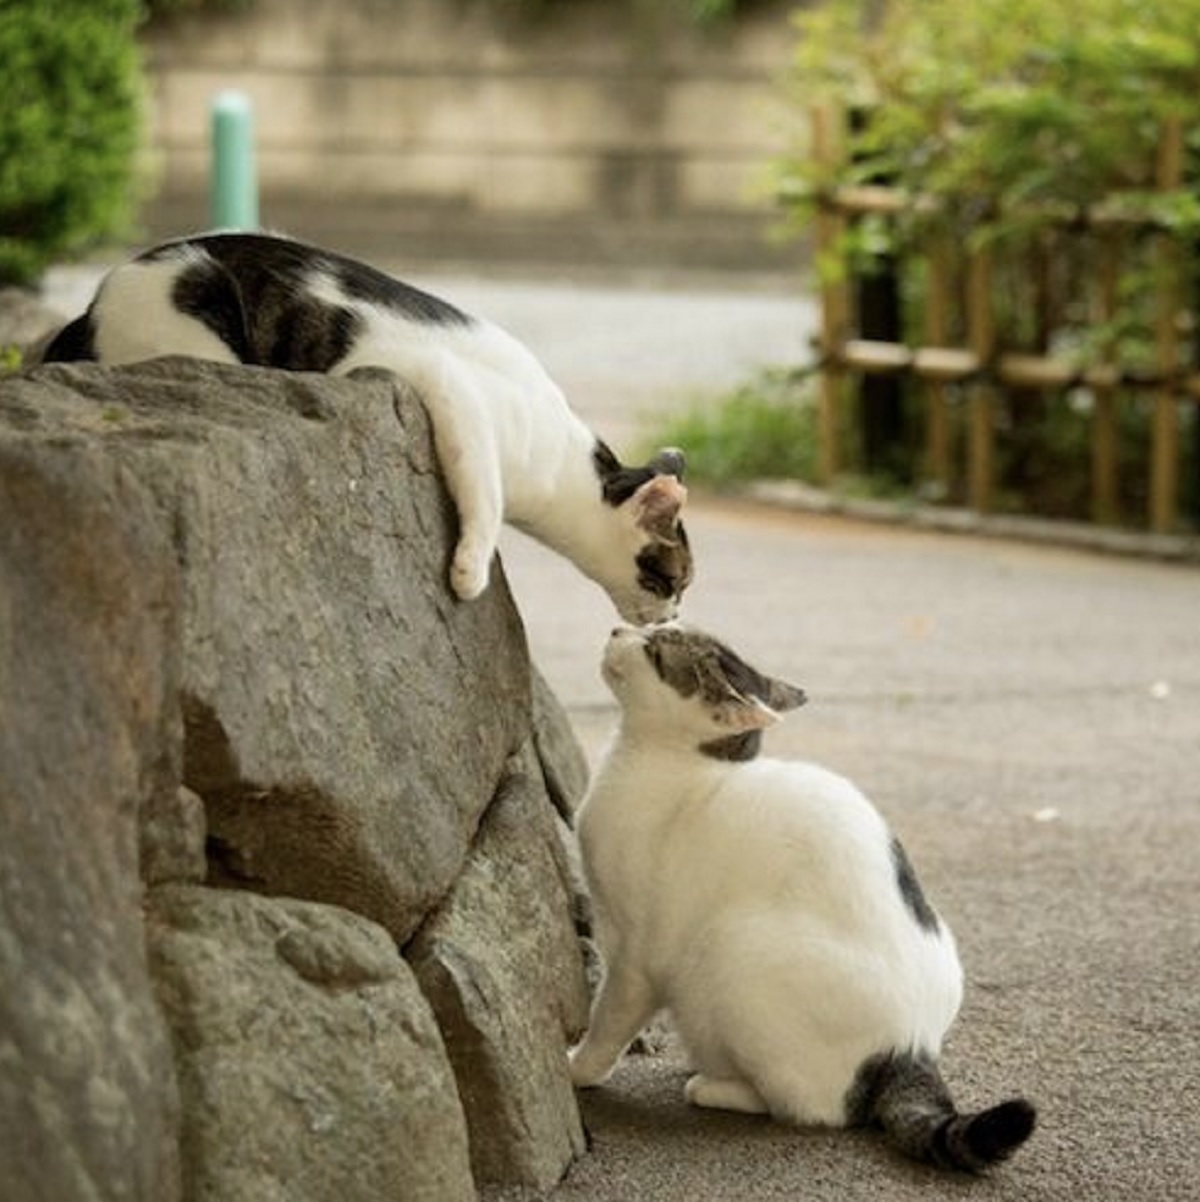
[[658, 503], [748, 713]]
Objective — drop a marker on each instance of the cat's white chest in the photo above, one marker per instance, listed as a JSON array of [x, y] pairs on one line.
[[642, 831]]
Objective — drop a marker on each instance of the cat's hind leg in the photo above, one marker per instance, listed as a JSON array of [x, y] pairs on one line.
[[138, 313], [718, 1094]]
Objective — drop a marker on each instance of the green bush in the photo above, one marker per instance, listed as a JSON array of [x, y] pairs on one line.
[[69, 127], [1005, 123], [698, 12], [764, 429], [173, 8], [992, 105]]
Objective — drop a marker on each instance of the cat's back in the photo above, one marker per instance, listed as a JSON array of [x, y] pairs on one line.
[[271, 301], [761, 827], [785, 823], [743, 808], [273, 272]]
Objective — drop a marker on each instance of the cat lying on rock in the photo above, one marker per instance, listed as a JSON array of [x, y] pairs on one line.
[[768, 907], [510, 448]]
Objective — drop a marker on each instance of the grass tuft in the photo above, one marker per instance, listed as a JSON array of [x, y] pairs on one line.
[[765, 428]]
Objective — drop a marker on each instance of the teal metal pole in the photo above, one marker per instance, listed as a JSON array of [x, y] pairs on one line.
[[234, 197]]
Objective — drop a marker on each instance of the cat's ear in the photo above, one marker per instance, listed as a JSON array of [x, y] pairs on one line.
[[740, 713], [762, 707], [744, 681], [781, 696], [658, 503], [670, 461]]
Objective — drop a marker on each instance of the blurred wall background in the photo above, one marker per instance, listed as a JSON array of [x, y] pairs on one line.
[[444, 128]]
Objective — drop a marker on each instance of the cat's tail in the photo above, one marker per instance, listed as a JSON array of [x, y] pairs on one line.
[[905, 1095]]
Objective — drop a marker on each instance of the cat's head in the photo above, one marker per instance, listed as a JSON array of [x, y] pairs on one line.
[[649, 560], [681, 685]]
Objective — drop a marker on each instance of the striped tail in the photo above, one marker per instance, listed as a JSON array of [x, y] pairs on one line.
[[905, 1095]]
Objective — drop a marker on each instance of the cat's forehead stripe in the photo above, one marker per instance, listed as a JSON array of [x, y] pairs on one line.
[[690, 662]]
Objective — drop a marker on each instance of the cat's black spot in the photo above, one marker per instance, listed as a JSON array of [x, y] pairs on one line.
[[363, 282], [255, 293], [671, 654], [665, 568], [603, 459], [734, 749], [251, 292], [256, 259], [618, 483], [205, 290], [911, 891], [74, 342], [311, 336], [692, 662]]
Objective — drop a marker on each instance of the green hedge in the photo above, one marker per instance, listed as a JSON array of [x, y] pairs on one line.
[[1002, 111], [69, 127], [1004, 121]]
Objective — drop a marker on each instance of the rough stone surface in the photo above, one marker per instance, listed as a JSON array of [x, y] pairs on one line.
[[25, 322], [172, 837], [326, 731], [501, 966], [564, 765], [87, 683], [310, 1067], [229, 654]]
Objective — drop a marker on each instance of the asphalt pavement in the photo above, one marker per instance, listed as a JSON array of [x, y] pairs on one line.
[[1028, 719], [1026, 716]]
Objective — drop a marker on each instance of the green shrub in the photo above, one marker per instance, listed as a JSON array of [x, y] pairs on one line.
[[172, 8], [993, 105], [1005, 123], [69, 127], [764, 429]]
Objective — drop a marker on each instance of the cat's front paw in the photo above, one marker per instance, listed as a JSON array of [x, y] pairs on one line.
[[469, 572], [586, 1068]]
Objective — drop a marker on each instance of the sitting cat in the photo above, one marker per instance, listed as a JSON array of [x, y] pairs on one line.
[[768, 907], [510, 447]]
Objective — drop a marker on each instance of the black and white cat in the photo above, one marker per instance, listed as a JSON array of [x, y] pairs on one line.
[[509, 446], [766, 904]]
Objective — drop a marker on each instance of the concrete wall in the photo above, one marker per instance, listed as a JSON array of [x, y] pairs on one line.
[[591, 127]]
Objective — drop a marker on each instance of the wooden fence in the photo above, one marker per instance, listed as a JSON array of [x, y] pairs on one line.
[[959, 306]]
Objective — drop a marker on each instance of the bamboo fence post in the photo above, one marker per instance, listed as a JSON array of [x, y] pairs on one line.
[[981, 336], [937, 311], [1104, 415], [829, 228], [1164, 447]]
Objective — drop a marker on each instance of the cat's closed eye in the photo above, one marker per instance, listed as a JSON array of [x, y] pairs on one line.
[[653, 579]]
